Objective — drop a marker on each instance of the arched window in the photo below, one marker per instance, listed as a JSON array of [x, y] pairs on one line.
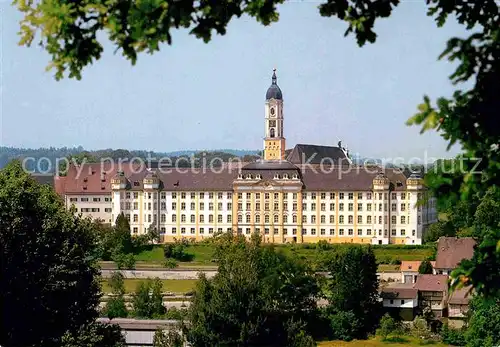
[[272, 132]]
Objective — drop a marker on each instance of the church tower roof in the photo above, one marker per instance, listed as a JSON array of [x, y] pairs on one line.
[[274, 92]]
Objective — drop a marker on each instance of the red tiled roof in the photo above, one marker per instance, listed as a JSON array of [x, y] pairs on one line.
[[95, 178], [432, 283], [399, 291], [412, 265], [451, 250]]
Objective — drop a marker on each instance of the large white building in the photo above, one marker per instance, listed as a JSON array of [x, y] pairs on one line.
[[313, 194]]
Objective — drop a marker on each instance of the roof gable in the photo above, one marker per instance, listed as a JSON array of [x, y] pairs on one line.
[[451, 251]]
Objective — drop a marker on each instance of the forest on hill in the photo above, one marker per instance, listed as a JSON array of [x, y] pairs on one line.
[[45, 160]]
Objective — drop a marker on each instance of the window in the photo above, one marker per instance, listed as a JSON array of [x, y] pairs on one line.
[[393, 196], [183, 206], [341, 206], [332, 219], [380, 207], [294, 196], [341, 219], [193, 206], [285, 206], [304, 219], [294, 206], [266, 196], [403, 207], [229, 206], [276, 206], [229, 218], [369, 232], [379, 219], [248, 206], [219, 205], [285, 219], [350, 219], [266, 206], [136, 217], [192, 231], [368, 207], [202, 230], [149, 218], [350, 196], [413, 232], [341, 232], [393, 219], [313, 196], [360, 219], [163, 205], [202, 218], [135, 230], [210, 230], [360, 207], [229, 195], [323, 207], [183, 230], [332, 231], [174, 206], [360, 232], [202, 206], [210, 218], [276, 218], [402, 302], [174, 196], [210, 206], [96, 199], [249, 196], [219, 195], [403, 196], [136, 195], [313, 219], [240, 218], [350, 206], [257, 218], [403, 220], [323, 219], [210, 195], [127, 196], [294, 218], [369, 219], [174, 230], [247, 218], [257, 206], [332, 196], [276, 196], [174, 218], [313, 207], [183, 195], [183, 218], [393, 232], [332, 207], [136, 205], [323, 196], [360, 196], [108, 210], [266, 218], [304, 206], [341, 196], [403, 232]]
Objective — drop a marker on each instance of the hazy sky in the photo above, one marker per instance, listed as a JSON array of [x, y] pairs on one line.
[[194, 95]]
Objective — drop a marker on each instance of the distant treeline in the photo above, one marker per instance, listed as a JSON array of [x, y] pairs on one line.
[[45, 159]]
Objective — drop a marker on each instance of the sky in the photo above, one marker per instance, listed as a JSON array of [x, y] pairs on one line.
[[193, 95]]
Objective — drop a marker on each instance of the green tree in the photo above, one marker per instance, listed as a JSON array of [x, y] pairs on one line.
[[95, 335], [169, 338], [148, 299], [69, 32], [115, 306], [122, 235], [49, 277], [425, 267], [387, 326], [255, 296], [353, 287], [75, 159], [484, 323]]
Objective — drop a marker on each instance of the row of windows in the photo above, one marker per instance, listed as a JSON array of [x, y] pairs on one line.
[[163, 206], [248, 219], [350, 207], [94, 210], [324, 232], [86, 199], [183, 195]]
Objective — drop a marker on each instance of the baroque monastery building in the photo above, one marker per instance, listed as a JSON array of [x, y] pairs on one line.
[[314, 193]]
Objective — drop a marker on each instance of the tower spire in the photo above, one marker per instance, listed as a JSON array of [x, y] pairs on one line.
[[275, 79]]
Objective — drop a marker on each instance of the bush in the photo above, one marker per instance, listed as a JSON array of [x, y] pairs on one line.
[[452, 337], [344, 325], [170, 263], [177, 251], [387, 326]]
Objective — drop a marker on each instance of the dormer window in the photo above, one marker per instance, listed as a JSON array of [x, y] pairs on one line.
[[85, 179], [276, 176], [249, 177], [136, 184], [240, 176], [295, 176], [285, 176], [258, 176]]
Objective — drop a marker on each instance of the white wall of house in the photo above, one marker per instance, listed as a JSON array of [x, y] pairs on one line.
[[401, 303]]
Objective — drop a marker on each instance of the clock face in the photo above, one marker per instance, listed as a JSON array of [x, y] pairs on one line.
[[272, 111]]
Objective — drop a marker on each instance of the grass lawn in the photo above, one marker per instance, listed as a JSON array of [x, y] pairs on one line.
[[203, 255], [388, 268], [376, 342], [175, 286]]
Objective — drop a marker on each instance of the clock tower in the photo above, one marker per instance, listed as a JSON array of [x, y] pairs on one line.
[[274, 140]]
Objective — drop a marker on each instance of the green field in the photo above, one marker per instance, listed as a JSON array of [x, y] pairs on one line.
[[175, 286], [203, 255], [376, 342]]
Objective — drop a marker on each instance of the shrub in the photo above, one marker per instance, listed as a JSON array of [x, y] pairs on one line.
[[387, 326], [452, 337], [170, 263]]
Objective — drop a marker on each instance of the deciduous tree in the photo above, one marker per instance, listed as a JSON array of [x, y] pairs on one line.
[[49, 285]]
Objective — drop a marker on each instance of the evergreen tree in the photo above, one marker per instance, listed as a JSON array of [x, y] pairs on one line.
[[425, 267], [115, 307]]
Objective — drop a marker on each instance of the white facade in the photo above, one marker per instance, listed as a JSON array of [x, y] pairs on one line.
[[95, 206], [401, 303]]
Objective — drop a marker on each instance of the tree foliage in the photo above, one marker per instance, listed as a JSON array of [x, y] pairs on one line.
[[484, 323], [115, 306], [353, 291], [259, 297], [49, 284], [95, 335], [387, 326], [148, 299]]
